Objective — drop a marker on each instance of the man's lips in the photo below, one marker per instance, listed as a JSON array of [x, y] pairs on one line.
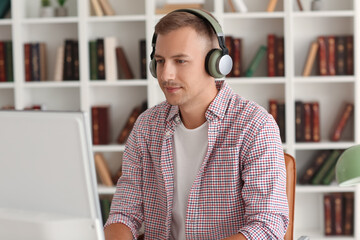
[[172, 89]]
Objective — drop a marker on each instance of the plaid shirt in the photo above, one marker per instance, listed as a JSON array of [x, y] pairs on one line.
[[240, 186]]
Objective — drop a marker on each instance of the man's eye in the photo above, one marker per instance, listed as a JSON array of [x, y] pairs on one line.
[[159, 61], [180, 61]]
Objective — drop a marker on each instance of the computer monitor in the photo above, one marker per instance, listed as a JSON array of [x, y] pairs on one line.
[[48, 187]]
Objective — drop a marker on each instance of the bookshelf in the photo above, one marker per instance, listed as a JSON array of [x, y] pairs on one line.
[[136, 21]]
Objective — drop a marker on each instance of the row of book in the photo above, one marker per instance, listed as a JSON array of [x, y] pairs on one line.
[[100, 116], [334, 55], [108, 61], [66, 62], [307, 121], [339, 214], [277, 110], [320, 170], [6, 62], [274, 52]]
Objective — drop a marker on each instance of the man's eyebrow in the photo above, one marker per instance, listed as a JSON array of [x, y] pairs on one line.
[[181, 55]]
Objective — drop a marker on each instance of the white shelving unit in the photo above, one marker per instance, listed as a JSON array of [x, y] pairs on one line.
[[135, 20]]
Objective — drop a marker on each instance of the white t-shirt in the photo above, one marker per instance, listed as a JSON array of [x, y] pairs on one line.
[[190, 146]]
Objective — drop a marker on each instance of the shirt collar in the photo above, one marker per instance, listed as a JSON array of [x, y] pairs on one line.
[[217, 107]]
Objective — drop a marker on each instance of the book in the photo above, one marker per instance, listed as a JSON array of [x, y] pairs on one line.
[[315, 117], [68, 69], [9, 61], [338, 213], [93, 60], [110, 58], [299, 5], [35, 61], [313, 166], [328, 216], [43, 62], [100, 58], [105, 205], [75, 56], [102, 170], [143, 64], [59, 64], [299, 121], [307, 122], [100, 124], [349, 55], [331, 51], [4, 7], [27, 61], [238, 6], [2, 62], [273, 109], [310, 58], [256, 61], [348, 214], [96, 8], [279, 57], [107, 8], [271, 5], [126, 130], [237, 54], [271, 69], [322, 56], [123, 66], [340, 55], [329, 162], [343, 120], [281, 120]]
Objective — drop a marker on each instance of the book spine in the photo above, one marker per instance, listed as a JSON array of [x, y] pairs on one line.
[[110, 58], [76, 64], [315, 122], [307, 122], [2, 62], [35, 68], [59, 65], [281, 120], [97, 8], [143, 64], [271, 55], [27, 61], [93, 60], [328, 217], [237, 53], [9, 62], [322, 56], [103, 170], [126, 130], [329, 162], [100, 59], [100, 124], [43, 62], [313, 166], [240, 6], [338, 213], [273, 109], [280, 58], [108, 10], [256, 61], [340, 55], [350, 55], [271, 5], [349, 214], [345, 116], [310, 59], [330, 40], [123, 63], [299, 121], [68, 70]]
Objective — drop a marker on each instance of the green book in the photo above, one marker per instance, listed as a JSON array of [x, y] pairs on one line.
[[256, 61], [93, 60], [326, 167], [9, 61], [330, 176], [4, 7], [105, 209]]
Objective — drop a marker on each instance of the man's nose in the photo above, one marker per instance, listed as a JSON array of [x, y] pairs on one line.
[[167, 71]]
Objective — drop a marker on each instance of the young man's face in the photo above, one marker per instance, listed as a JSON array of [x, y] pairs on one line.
[[180, 57]]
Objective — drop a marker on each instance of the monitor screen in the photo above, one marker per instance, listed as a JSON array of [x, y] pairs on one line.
[[47, 176]]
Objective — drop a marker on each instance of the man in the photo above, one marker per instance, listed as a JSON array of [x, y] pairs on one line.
[[204, 164]]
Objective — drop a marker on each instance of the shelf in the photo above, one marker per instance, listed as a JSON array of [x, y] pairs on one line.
[[6, 22], [52, 84], [322, 189], [123, 18], [103, 190], [323, 145], [318, 14], [325, 79], [50, 20], [7, 85], [109, 148], [104, 83]]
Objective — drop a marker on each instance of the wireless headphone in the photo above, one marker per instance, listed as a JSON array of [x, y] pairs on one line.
[[218, 63]]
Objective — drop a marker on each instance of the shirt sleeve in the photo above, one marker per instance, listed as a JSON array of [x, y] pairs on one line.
[[264, 189], [127, 205]]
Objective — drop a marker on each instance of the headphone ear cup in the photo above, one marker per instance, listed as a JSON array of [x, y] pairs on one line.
[[211, 63], [152, 67]]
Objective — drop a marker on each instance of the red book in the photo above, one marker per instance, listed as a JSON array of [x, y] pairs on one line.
[[331, 59], [273, 108], [322, 52], [27, 60], [338, 213], [349, 213], [123, 66], [237, 53], [328, 216], [315, 122], [307, 122], [229, 42], [2, 62], [100, 124], [344, 118], [271, 55]]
